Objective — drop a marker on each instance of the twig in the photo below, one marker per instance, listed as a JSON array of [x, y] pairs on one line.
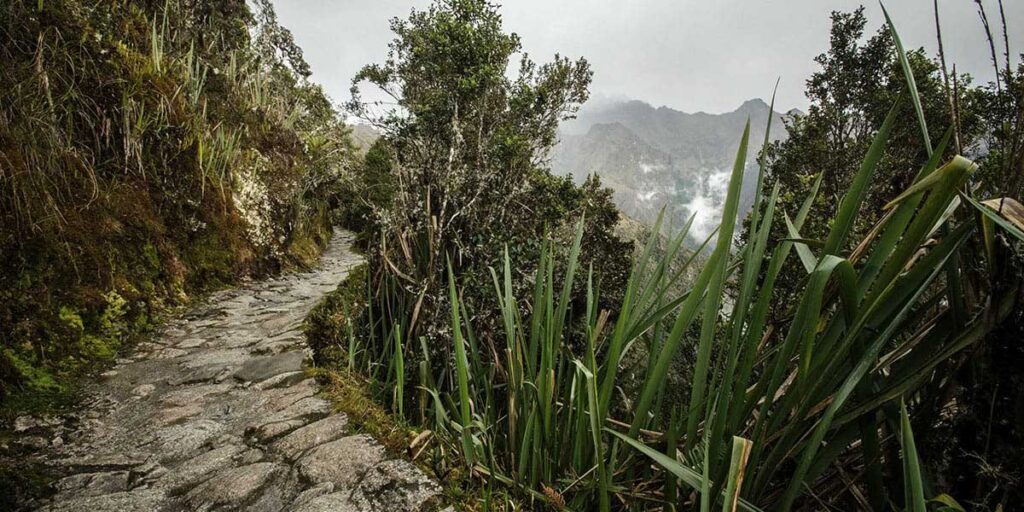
[[991, 43], [945, 79]]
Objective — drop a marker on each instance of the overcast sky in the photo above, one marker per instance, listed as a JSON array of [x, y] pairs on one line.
[[691, 55]]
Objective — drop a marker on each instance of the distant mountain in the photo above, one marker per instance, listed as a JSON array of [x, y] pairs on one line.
[[654, 157], [363, 136]]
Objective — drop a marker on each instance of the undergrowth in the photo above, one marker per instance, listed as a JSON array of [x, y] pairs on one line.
[[149, 152]]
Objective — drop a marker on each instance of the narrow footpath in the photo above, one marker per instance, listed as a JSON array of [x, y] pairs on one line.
[[216, 413]]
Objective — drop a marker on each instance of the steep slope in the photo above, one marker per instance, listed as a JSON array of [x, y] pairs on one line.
[[654, 157], [149, 152]]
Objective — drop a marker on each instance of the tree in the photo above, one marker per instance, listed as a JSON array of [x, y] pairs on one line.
[[466, 152], [856, 86]]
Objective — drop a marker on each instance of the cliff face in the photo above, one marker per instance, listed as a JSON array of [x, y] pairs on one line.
[[141, 164], [655, 157]]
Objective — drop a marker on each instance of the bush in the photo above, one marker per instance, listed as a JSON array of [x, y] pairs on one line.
[[149, 151], [459, 174]]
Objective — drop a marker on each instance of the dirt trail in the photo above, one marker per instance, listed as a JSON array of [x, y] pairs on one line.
[[216, 413]]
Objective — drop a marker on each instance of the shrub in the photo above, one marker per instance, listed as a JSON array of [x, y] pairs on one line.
[[459, 173], [148, 151]]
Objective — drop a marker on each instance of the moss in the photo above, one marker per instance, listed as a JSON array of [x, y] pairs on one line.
[[327, 332], [211, 261], [34, 378], [69, 315], [351, 394], [96, 243], [21, 481], [328, 324]]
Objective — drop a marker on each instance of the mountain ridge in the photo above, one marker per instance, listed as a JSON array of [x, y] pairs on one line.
[[658, 156]]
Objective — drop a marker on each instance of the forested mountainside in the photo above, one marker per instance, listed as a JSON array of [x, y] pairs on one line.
[[149, 151], [848, 340], [660, 157]]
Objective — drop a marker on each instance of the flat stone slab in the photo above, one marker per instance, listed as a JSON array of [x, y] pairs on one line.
[[343, 462], [315, 434], [395, 485], [263, 368], [333, 502], [93, 484], [235, 487], [192, 471], [146, 500]]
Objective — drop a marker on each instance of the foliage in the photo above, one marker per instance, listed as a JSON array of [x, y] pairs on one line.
[[784, 401], [148, 151], [857, 83], [330, 325], [850, 95], [459, 172]]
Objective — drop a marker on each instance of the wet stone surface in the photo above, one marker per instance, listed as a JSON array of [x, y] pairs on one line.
[[216, 413]]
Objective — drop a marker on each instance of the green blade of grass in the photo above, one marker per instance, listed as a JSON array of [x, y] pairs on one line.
[[714, 291], [908, 74], [685, 474], [851, 202], [914, 288], [807, 258], [461, 368], [912, 481], [994, 216], [737, 469]]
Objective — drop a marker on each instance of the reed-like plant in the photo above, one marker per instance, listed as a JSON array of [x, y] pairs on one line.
[[776, 404]]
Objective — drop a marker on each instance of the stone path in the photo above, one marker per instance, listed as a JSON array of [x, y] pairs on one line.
[[216, 413]]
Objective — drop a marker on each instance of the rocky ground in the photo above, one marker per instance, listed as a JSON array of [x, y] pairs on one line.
[[216, 413]]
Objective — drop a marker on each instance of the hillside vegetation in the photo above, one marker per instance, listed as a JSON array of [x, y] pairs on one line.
[[832, 351], [841, 333], [149, 151]]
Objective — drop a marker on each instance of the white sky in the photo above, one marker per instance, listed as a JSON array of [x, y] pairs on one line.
[[690, 55]]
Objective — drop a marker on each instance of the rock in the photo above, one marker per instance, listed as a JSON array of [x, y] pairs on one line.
[[262, 368], [192, 343], [359, 453], [309, 494], [189, 473], [334, 502], [235, 487], [143, 390], [94, 462], [169, 353], [24, 424], [93, 484], [142, 500], [109, 374], [174, 415], [182, 441], [141, 475], [267, 432], [296, 443], [282, 398], [201, 374], [174, 332], [395, 485], [307, 409], [221, 358], [31, 443], [282, 381], [194, 394]]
